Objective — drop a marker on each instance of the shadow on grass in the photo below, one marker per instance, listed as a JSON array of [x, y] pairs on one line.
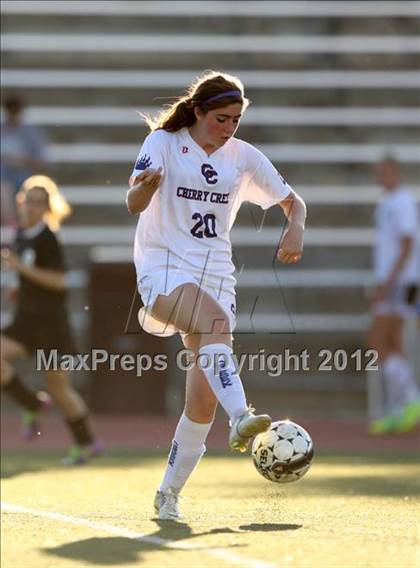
[[269, 527], [372, 486], [14, 462], [123, 550], [9, 471]]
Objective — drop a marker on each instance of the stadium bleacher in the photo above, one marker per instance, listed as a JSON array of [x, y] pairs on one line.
[[334, 87]]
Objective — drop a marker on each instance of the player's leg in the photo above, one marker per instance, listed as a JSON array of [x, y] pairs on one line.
[[76, 415], [379, 336], [188, 444], [403, 386], [379, 339], [12, 384], [10, 350], [192, 310], [402, 392]]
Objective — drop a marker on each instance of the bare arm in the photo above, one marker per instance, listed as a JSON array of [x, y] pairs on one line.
[[141, 190], [405, 251], [53, 279], [291, 244], [45, 277]]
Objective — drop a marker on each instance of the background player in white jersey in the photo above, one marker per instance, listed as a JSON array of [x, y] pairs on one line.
[[396, 263], [189, 180]]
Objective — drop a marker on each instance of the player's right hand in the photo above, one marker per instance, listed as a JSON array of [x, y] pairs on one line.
[[148, 179]]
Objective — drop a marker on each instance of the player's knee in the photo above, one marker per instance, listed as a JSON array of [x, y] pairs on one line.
[[215, 323]]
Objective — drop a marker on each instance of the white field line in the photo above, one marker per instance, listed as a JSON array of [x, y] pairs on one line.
[[221, 553], [260, 9], [315, 79], [211, 43]]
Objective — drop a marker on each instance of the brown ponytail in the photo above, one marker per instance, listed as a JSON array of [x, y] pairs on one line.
[[211, 84]]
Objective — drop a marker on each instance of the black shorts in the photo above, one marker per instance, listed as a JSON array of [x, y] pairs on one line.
[[37, 333]]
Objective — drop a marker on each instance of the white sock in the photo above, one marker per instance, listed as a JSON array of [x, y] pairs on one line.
[[186, 451], [223, 378], [400, 381]]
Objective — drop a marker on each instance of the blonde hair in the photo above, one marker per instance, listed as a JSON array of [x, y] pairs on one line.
[[210, 85], [58, 208]]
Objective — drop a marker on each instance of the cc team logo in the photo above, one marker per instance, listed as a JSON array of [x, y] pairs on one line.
[[209, 173]]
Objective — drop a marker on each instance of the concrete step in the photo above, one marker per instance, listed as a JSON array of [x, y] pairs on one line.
[[166, 23], [257, 257], [109, 174], [343, 280], [327, 196], [319, 215], [266, 10], [299, 302], [240, 236], [101, 43], [176, 79], [188, 59], [123, 116], [332, 248], [262, 134], [140, 98], [285, 153]]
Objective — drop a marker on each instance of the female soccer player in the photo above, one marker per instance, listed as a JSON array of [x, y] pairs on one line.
[[396, 261], [188, 182], [41, 319]]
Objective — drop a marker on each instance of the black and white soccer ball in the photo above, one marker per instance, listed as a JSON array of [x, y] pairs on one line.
[[283, 453]]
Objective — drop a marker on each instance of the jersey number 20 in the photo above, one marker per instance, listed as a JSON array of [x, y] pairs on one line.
[[208, 221]]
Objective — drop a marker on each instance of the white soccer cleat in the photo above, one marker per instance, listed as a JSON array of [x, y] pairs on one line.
[[245, 427], [166, 505]]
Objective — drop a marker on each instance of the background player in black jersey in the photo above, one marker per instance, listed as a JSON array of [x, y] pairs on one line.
[[41, 319]]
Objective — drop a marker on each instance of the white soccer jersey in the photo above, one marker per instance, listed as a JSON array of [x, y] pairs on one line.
[[396, 217], [188, 220]]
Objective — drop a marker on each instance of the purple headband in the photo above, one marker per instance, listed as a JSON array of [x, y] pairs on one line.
[[222, 95]]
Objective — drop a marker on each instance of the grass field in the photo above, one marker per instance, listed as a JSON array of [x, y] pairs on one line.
[[349, 511]]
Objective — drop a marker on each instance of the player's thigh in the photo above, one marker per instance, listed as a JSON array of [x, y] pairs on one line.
[[57, 381], [11, 349], [200, 401], [192, 310], [385, 334], [395, 333]]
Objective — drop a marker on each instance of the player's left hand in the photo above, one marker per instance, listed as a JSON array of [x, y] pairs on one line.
[[381, 292], [9, 259], [291, 245]]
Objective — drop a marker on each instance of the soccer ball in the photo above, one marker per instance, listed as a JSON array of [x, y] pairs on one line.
[[283, 453]]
